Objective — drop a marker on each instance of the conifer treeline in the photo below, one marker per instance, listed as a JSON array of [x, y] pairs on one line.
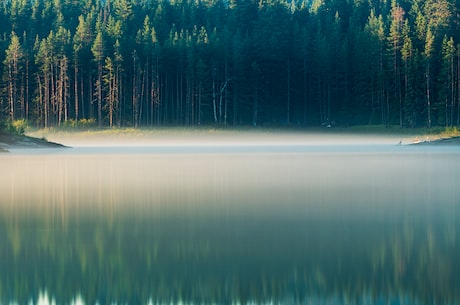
[[277, 62]]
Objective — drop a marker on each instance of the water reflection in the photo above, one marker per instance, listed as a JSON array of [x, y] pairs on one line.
[[316, 227]]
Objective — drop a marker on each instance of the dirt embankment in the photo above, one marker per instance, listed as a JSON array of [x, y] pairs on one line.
[[10, 141], [443, 141]]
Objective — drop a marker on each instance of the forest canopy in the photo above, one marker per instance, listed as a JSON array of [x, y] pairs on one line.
[[234, 62]]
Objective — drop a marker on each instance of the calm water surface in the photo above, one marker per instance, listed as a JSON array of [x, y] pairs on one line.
[[231, 225]]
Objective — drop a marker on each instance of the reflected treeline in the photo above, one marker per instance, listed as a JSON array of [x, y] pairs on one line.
[[133, 257], [217, 229]]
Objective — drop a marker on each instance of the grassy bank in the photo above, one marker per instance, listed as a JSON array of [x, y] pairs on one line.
[[86, 132], [432, 133], [242, 134]]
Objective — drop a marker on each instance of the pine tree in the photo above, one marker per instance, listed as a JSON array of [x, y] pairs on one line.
[[98, 50], [110, 88], [44, 60], [61, 45], [195, 62], [13, 65], [81, 54], [407, 55], [448, 79], [375, 28], [395, 43], [428, 54]]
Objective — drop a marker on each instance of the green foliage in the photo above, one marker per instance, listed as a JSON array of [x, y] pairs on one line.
[[19, 126], [79, 124], [16, 127], [446, 132], [279, 63]]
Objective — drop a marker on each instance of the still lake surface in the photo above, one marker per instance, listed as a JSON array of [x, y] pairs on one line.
[[231, 224]]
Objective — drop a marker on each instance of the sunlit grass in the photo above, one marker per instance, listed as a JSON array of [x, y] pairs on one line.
[[125, 132], [444, 133], [365, 134]]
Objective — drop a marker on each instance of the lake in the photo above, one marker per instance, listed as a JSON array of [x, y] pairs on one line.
[[231, 223]]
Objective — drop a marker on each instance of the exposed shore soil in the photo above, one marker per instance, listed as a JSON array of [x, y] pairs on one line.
[[443, 141], [13, 141], [9, 141]]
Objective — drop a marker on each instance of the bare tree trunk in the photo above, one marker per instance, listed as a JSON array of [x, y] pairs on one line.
[[188, 101], [199, 101], [40, 109], [11, 91], [75, 86], [305, 91], [452, 90], [99, 94], [177, 115], [27, 97], [46, 100], [214, 93], [235, 105], [52, 85], [60, 93], [406, 87], [141, 98], [134, 98], [180, 99], [166, 98], [158, 102], [82, 96], [255, 103], [91, 100], [66, 90], [428, 100], [288, 105], [119, 96], [400, 99], [458, 86], [152, 100]]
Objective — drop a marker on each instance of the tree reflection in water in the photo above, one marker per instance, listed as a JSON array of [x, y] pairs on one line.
[[211, 239], [132, 259]]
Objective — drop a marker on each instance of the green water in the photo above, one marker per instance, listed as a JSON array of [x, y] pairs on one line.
[[330, 225]]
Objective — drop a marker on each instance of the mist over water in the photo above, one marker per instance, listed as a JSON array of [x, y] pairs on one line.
[[281, 219]]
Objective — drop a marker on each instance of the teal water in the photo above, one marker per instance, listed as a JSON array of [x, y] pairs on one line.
[[230, 225]]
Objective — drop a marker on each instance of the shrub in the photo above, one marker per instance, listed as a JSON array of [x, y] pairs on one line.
[[80, 124], [17, 127]]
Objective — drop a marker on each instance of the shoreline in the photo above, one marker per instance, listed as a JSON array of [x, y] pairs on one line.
[[441, 141], [8, 141], [15, 141]]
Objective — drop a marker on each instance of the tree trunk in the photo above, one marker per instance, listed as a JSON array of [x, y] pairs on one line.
[[458, 85], [99, 94], [27, 97], [255, 103], [214, 93], [11, 90], [428, 98], [199, 102], [288, 102], [452, 90], [75, 88]]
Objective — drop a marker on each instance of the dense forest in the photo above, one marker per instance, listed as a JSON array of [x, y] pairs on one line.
[[235, 62]]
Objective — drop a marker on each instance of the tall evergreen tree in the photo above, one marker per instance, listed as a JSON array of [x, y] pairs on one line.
[[98, 50], [447, 77], [428, 56], [246, 62], [395, 44], [407, 56], [13, 67]]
